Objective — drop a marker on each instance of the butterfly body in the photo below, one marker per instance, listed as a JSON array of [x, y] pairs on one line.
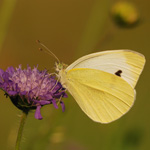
[[103, 83]]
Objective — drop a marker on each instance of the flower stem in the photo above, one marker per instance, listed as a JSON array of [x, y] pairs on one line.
[[22, 122]]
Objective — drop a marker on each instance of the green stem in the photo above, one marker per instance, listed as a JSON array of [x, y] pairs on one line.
[[22, 122]]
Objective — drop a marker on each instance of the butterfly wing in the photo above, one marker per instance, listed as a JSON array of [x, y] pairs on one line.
[[125, 63], [102, 96]]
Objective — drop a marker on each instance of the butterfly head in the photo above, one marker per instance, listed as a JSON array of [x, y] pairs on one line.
[[60, 66]]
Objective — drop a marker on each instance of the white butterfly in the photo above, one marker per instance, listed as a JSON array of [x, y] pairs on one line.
[[103, 83]]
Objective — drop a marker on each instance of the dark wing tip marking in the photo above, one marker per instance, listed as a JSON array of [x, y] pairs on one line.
[[118, 73]]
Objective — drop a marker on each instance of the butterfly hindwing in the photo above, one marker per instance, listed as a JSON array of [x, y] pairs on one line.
[[102, 96]]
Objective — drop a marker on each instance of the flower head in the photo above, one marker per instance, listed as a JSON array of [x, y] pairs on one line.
[[31, 89]]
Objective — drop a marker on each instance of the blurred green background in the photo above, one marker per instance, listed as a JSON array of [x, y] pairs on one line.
[[71, 29]]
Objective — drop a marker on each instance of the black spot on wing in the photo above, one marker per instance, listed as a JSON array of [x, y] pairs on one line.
[[118, 73]]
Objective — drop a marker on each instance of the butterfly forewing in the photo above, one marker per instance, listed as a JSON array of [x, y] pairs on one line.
[[129, 64]]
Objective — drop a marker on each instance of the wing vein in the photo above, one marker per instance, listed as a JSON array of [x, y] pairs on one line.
[[108, 92]]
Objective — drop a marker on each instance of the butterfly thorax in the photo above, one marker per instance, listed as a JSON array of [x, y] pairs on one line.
[[60, 68]]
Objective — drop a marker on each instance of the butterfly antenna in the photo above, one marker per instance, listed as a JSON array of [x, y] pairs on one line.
[[48, 51]]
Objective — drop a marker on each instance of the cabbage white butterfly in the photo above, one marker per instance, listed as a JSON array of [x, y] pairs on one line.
[[103, 83]]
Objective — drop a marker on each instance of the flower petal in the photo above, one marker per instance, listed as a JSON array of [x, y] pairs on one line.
[[38, 113], [65, 95], [23, 93], [54, 103], [10, 70], [5, 76], [1, 72], [12, 93], [62, 105], [41, 102]]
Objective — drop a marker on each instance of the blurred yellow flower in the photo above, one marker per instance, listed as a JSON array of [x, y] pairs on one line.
[[125, 13]]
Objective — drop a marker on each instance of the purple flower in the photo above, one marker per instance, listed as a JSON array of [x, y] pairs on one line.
[[31, 89]]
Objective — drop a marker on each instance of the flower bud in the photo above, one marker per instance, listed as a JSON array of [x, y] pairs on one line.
[[125, 14]]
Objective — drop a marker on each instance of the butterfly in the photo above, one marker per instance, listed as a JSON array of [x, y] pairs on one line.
[[103, 83]]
